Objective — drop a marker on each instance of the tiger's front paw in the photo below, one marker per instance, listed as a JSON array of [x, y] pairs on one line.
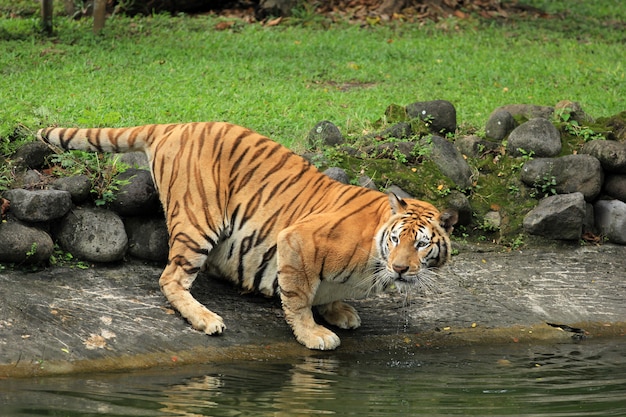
[[208, 322], [318, 338], [340, 314]]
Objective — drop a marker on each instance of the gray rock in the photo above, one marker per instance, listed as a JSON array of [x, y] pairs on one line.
[[338, 174], [574, 111], [324, 133], [93, 234], [30, 179], [398, 191], [527, 111], [391, 150], [367, 182], [79, 187], [610, 220], [135, 159], [24, 244], [459, 202], [138, 196], [492, 221], [449, 160], [147, 238], [32, 155], [499, 125], [615, 186], [589, 222], [400, 130], [473, 145], [611, 154], [557, 217], [440, 114], [538, 136], [40, 205], [570, 174]]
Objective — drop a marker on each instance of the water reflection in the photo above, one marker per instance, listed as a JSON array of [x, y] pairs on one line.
[[584, 379]]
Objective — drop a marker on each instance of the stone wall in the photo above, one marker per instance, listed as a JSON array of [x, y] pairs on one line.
[[583, 186]]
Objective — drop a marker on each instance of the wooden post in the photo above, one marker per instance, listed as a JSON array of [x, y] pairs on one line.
[[46, 16], [99, 14]]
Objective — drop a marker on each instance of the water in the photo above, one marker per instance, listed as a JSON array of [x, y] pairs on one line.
[[585, 379]]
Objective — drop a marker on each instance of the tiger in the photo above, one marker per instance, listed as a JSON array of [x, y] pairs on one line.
[[249, 209]]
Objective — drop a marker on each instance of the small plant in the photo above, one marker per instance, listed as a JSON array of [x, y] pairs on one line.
[[399, 156], [525, 157], [101, 169], [546, 186], [32, 251], [518, 242], [60, 257]]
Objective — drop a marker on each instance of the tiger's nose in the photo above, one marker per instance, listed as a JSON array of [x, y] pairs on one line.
[[400, 269]]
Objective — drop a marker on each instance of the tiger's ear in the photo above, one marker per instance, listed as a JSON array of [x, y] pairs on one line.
[[447, 219], [398, 205]]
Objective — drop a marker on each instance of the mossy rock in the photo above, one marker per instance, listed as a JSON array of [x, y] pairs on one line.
[[499, 188]]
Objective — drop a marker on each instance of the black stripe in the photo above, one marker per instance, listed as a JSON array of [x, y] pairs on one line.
[[267, 258]]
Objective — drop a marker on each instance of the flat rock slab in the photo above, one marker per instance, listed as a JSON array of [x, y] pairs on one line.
[[106, 318]]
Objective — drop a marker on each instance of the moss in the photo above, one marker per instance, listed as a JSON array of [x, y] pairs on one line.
[[498, 188]]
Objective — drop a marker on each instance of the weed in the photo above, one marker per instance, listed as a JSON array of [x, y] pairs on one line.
[[32, 251], [545, 186], [101, 169]]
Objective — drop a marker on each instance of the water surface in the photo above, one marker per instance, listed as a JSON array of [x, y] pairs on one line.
[[571, 379]]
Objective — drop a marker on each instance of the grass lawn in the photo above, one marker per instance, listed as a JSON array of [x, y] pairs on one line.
[[282, 80]]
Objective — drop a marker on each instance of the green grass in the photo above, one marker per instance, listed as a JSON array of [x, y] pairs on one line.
[[282, 80]]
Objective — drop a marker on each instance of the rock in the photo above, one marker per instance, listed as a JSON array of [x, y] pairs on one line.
[[557, 217], [527, 111], [30, 179], [538, 136], [459, 202], [134, 159], [567, 174], [391, 150], [492, 221], [32, 155], [138, 196], [499, 125], [324, 133], [367, 182], [616, 125], [400, 130], [610, 220], [611, 154], [449, 160], [147, 238], [574, 111], [275, 8], [24, 244], [615, 186], [93, 234], [338, 174], [589, 222], [398, 191], [79, 187], [40, 205], [473, 145], [439, 114]]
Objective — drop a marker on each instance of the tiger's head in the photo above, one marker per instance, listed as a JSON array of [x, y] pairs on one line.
[[414, 240]]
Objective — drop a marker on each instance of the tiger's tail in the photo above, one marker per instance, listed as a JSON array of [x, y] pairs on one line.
[[99, 139]]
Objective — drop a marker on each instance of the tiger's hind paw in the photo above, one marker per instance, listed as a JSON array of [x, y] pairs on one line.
[[340, 314]]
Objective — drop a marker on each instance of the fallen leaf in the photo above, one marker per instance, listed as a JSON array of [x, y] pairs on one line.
[[274, 22], [95, 341]]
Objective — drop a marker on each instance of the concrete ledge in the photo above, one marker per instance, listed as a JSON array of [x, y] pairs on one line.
[[110, 318]]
